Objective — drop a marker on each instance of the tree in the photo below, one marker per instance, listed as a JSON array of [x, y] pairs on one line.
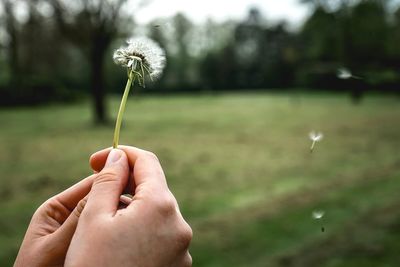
[[181, 61], [393, 44], [249, 41], [217, 62], [11, 28], [157, 32], [92, 26], [327, 5]]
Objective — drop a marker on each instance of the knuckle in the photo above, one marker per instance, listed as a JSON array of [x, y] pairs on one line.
[[187, 261], [152, 156], [50, 205], [52, 208], [105, 176], [79, 208], [185, 235], [165, 205], [46, 206]]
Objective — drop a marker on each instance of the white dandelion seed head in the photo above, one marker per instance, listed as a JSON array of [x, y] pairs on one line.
[[318, 214], [315, 137], [141, 51], [344, 73]]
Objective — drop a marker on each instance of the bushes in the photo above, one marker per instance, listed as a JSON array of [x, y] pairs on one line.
[[34, 91]]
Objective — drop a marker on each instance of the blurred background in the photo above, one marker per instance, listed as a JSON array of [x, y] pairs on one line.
[[245, 83]]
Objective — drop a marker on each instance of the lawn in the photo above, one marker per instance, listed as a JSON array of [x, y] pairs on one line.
[[240, 167]]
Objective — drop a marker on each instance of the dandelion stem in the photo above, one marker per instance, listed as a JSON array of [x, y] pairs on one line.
[[312, 147], [118, 123]]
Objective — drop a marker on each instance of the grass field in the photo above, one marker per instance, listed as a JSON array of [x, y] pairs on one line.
[[240, 167]]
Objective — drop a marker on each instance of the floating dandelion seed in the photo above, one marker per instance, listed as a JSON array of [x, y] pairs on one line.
[[345, 74], [141, 56], [318, 214], [315, 137]]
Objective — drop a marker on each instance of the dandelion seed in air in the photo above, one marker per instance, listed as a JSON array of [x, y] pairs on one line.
[[142, 56], [345, 74], [315, 137], [318, 214]]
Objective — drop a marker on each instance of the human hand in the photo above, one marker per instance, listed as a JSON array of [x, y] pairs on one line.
[[150, 231], [52, 226]]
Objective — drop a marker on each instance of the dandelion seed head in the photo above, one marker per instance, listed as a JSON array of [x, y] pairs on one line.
[[315, 137], [141, 52], [318, 214]]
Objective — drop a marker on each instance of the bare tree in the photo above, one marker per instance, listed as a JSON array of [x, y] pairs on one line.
[[91, 25]]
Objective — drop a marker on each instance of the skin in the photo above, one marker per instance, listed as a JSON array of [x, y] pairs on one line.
[[52, 226], [86, 225]]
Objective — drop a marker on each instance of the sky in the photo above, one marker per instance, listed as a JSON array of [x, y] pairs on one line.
[[220, 10]]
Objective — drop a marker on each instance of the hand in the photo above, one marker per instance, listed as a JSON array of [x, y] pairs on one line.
[[52, 227], [149, 232]]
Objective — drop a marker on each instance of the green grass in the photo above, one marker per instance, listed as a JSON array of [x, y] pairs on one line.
[[240, 167]]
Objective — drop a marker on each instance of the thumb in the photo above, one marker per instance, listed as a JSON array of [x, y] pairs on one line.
[[108, 185]]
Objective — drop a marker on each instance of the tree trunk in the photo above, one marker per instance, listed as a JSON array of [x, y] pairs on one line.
[[97, 82], [13, 59]]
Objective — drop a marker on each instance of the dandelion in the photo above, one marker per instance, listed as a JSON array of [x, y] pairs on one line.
[[318, 214], [345, 74], [315, 137], [140, 57]]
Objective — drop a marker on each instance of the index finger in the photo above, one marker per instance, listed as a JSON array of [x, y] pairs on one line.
[[146, 166], [98, 159]]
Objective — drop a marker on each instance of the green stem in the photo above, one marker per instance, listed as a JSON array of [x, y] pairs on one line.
[[312, 147], [118, 123]]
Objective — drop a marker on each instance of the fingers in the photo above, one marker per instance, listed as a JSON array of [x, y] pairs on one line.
[[70, 197], [146, 167], [108, 185], [126, 200], [65, 208], [67, 229], [98, 159], [145, 164]]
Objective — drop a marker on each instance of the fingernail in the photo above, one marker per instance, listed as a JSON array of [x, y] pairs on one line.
[[113, 157]]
